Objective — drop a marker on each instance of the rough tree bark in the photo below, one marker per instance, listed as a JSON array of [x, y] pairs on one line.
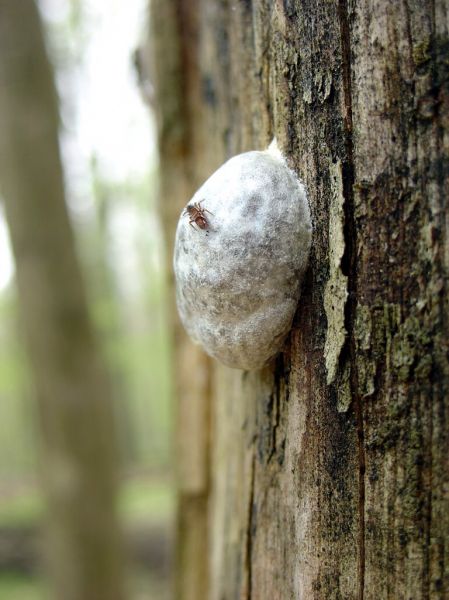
[[74, 401], [326, 474]]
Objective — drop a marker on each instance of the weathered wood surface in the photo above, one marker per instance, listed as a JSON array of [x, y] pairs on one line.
[[327, 471]]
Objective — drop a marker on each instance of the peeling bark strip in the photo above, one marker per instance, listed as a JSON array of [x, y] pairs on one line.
[[345, 438], [335, 292]]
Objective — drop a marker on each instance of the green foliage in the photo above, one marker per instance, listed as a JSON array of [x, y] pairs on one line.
[[16, 586], [17, 454], [21, 508], [146, 500], [141, 501]]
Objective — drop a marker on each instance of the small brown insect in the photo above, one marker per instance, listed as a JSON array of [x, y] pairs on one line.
[[197, 215]]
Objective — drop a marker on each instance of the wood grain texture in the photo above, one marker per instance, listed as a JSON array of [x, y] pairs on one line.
[[328, 470]]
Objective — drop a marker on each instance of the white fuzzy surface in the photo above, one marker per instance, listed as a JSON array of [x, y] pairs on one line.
[[238, 283]]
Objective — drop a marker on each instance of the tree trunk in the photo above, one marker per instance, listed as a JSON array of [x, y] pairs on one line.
[[328, 469], [79, 456]]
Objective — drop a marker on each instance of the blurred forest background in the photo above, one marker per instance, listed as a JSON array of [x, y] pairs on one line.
[[107, 138]]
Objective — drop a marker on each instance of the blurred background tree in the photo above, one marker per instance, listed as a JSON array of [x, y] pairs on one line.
[[118, 240]]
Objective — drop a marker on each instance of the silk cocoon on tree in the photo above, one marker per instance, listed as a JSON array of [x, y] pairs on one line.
[[238, 280]]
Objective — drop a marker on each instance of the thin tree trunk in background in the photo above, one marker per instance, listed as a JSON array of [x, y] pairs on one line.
[[172, 55], [79, 454], [329, 469]]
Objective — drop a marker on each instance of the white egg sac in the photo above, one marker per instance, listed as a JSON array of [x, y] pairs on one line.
[[240, 256]]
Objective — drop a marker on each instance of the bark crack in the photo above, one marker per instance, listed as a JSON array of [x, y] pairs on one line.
[[349, 266], [276, 406], [250, 533]]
